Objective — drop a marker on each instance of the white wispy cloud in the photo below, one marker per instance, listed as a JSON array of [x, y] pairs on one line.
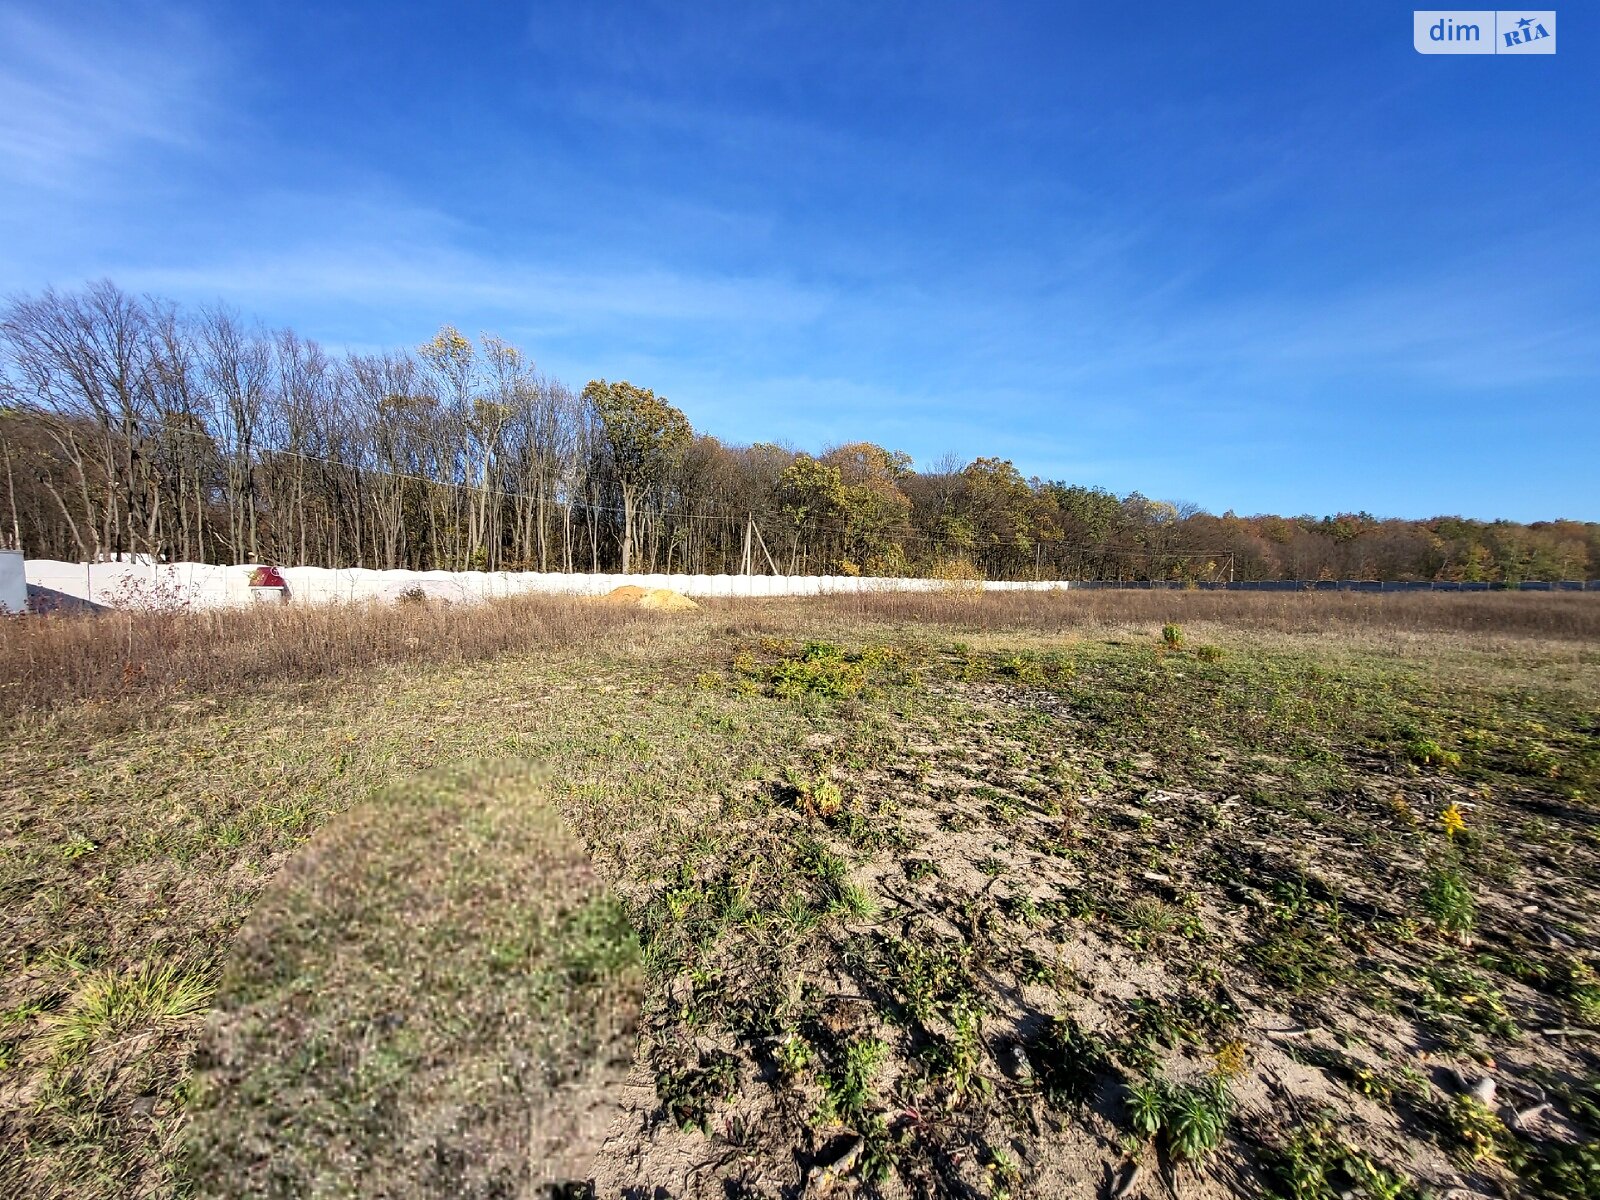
[[389, 254], [80, 94]]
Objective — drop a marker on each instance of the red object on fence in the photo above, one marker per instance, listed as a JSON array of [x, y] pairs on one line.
[[267, 577]]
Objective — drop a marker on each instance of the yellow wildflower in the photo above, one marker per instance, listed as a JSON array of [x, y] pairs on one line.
[[1452, 820], [1232, 1059]]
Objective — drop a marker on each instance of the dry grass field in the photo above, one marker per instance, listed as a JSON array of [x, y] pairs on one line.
[[436, 996], [1095, 894]]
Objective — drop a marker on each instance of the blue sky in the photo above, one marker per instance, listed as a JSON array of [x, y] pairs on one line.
[[1256, 257]]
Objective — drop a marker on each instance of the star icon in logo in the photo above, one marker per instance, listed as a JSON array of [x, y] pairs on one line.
[[1525, 22]]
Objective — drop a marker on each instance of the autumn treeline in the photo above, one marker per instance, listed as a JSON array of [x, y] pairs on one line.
[[129, 426]]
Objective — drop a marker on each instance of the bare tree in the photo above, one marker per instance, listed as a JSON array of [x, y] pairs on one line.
[[127, 426]]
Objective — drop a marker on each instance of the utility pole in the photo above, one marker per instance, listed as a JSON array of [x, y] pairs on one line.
[[762, 542]]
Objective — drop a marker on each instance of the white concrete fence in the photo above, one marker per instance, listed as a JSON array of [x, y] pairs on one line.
[[13, 582], [52, 586], [202, 585]]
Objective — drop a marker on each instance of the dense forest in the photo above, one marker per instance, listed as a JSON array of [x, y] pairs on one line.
[[129, 426]]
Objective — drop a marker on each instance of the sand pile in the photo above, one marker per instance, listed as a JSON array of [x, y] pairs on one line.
[[659, 599]]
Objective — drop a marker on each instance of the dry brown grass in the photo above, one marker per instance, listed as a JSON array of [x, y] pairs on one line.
[[436, 995], [1547, 615], [130, 661], [146, 658], [1038, 770]]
